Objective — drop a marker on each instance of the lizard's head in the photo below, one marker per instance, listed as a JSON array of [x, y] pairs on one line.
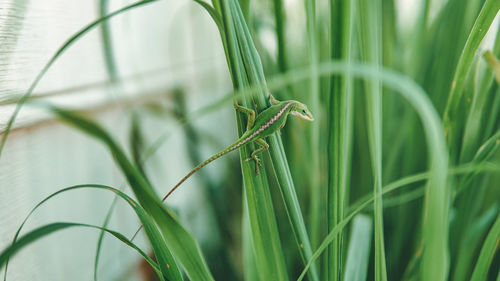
[[300, 110]]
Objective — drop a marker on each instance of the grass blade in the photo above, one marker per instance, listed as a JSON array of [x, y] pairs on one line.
[[249, 263], [45, 230], [107, 43], [313, 129], [280, 20], [481, 26], [494, 63], [490, 246], [163, 254], [359, 249], [222, 267], [471, 244], [178, 240], [265, 237], [255, 76], [340, 124], [101, 236], [435, 226], [371, 47]]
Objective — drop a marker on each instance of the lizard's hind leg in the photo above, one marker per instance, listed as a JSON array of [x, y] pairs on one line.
[[263, 146]]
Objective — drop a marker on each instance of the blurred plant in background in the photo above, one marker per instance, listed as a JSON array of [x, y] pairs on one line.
[[404, 146]]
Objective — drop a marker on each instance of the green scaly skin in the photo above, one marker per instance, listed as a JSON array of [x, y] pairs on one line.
[[269, 121]]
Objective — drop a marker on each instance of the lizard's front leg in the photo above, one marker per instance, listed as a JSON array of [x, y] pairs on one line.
[[249, 112], [272, 99], [263, 146]]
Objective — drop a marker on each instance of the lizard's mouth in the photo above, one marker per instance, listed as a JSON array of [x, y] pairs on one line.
[[306, 116]]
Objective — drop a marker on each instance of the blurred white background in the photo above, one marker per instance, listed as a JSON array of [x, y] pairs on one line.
[[157, 47]]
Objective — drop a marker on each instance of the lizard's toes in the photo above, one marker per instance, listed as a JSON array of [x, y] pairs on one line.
[[248, 159]]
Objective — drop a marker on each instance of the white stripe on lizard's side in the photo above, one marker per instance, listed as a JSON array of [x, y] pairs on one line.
[[265, 126]]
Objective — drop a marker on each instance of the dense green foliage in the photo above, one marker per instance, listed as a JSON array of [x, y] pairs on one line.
[[405, 146]]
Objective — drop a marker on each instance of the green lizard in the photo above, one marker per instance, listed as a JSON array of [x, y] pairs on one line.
[[267, 122], [270, 120]]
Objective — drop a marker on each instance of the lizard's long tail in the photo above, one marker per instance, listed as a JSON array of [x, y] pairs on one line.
[[230, 148], [244, 139]]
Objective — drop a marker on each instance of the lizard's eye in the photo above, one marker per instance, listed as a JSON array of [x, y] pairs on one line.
[[303, 112]]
